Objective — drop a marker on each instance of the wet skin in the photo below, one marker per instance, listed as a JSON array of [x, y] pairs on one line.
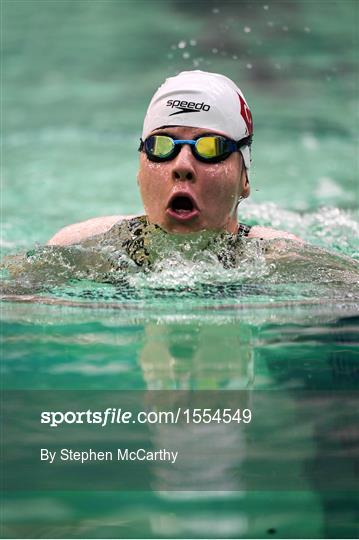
[[215, 188]]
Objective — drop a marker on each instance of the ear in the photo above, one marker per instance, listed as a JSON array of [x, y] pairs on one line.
[[245, 184]]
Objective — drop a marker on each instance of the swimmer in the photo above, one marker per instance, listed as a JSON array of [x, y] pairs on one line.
[[195, 157]]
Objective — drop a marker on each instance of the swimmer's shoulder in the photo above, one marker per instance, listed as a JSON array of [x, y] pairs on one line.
[[267, 233], [77, 232]]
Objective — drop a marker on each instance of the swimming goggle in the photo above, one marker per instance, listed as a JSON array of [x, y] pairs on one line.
[[210, 148]]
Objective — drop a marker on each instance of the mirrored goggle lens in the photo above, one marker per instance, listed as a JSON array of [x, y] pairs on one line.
[[211, 147], [159, 146]]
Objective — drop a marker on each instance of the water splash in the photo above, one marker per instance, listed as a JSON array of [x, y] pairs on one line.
[[328, 227], [200, 267]]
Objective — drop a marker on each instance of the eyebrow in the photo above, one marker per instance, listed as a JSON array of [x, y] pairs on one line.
[[162, 132], [195, 137]]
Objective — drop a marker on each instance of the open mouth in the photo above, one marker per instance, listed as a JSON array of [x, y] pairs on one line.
[[182, 206]]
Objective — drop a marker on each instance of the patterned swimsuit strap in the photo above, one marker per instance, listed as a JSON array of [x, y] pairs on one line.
[[243, 229]]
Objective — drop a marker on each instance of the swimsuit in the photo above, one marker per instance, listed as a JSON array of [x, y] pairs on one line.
[[243, 229], [136, 235], [130, 245]]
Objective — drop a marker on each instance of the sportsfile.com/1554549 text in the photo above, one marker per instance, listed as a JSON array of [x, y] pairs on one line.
[[114, 415]]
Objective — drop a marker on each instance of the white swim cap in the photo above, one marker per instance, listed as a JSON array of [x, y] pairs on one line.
[[204, 100]]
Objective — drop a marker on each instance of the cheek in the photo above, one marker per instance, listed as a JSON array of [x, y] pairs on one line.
[[151, 177], [223, 182]]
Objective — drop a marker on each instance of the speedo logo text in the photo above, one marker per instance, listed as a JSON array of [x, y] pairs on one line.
[[186, 106]]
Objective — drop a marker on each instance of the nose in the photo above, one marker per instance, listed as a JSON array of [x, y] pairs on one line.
[[183, 166]]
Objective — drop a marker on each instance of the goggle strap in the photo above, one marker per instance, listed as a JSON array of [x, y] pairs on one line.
[[247, 141]]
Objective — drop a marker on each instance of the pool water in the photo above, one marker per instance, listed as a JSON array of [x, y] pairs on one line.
[[77, 78], [253, 347]]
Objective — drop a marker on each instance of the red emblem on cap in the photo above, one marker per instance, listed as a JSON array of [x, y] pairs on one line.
[[246, 115]]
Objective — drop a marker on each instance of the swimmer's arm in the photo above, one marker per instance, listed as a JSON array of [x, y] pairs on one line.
[[77, 232], [267, 233]]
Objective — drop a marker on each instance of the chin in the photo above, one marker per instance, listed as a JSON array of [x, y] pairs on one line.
[[181, 228]]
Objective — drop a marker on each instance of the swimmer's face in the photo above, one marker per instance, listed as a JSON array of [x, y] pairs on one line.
[[186, 195]]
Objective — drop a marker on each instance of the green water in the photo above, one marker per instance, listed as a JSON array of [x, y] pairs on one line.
[[76, 80]]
